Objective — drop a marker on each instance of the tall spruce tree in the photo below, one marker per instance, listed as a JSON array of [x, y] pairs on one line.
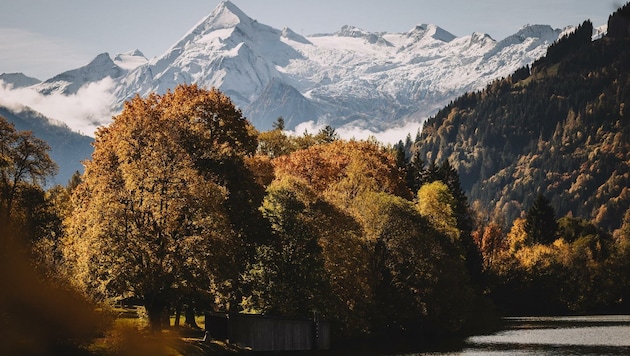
[[540, 223]]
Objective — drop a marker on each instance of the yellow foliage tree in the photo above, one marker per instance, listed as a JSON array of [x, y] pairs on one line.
[[517, 237], [436, 203]]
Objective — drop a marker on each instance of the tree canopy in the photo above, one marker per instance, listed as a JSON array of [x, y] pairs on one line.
[[149, 219]]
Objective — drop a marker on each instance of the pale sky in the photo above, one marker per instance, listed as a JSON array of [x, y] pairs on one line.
[[42, 38]]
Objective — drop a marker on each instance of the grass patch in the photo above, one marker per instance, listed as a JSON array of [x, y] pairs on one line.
[[130, 334], [547, 72]]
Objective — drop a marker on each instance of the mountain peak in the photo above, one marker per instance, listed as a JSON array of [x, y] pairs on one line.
[[290, 34], [130, 60], [355, 32], [101, 59], [136, 53], [351, 31], [537, 31], [70, 81], [430, 30], [225, 15]]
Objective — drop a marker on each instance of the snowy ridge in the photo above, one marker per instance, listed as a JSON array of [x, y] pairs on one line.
[[18, 80], [71, 81], [350, 78], [130, 60]]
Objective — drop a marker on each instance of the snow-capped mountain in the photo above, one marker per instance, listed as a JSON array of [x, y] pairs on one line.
[[130, 60], [71, 81], [18, 80], [350, 78], [101, 67]]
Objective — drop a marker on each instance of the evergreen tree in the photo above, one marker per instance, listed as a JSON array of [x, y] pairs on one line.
[[540, 223], [463, 215], [414, 171], [399, 153], [326, 135], [278, 124]]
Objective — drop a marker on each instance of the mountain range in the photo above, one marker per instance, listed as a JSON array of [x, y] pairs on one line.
[[349, 79]]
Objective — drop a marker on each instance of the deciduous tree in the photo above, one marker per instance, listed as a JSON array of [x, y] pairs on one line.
[[436, 203], [24, 161], [151, 216]]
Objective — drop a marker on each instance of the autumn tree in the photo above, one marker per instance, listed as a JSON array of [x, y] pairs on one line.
[[388, 268], [418, 279], [152, 216], [436, 203], [315, 260], [343, 169], [222, 143], [418, 175], [491, 242]]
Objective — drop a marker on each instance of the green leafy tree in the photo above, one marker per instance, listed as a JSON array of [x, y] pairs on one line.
[[315, 260], [289, 274], [24, 162], [274, 143], [418, 279]]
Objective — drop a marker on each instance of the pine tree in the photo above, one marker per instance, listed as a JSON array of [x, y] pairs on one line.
[[540, 223], [327, 134], [278, 124]]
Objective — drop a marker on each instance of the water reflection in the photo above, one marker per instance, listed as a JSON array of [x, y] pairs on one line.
[[584, 335]]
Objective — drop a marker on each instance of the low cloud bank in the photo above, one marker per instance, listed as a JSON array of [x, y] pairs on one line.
[[91, 107], [390, 136], [83, 112]]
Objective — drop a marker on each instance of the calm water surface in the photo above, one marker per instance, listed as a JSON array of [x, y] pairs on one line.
[[583, 335]]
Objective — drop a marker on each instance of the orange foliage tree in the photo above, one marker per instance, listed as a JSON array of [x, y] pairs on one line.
[[152, 216]]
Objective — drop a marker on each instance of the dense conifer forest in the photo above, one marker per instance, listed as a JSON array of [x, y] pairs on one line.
[[558, 128]]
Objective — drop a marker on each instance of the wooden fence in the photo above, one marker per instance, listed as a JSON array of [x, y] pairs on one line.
[[265, 333]]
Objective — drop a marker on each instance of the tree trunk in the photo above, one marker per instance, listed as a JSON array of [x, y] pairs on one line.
[[190, 317], [155, 310], [178, 312]]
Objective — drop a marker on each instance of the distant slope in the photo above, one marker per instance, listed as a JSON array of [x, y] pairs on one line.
[[561, 128], [68, 148]]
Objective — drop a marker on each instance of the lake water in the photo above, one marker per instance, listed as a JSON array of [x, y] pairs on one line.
[[583, 335]]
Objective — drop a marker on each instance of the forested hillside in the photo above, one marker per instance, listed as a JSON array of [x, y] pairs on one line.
[[67, 148], [558, 128]]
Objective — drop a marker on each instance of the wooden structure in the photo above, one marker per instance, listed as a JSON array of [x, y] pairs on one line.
[[265, 333]]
